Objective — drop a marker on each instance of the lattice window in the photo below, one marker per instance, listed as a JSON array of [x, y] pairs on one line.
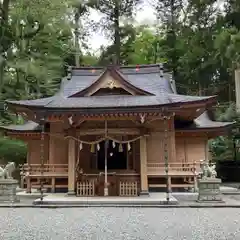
[[128, 189], [85, 188]]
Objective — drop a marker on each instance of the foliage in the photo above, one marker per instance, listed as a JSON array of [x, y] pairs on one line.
[[199, 41], [12, 151], [223, 148], [115, 12]]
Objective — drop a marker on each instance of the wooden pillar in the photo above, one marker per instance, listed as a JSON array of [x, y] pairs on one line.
[[71, 167], [172, 141], [143, 166], [51, 150], [206, 150]]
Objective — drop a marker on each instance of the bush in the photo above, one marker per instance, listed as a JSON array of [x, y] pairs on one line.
[[12, 151]]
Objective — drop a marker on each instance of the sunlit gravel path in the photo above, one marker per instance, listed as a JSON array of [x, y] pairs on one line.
[[119, 223]]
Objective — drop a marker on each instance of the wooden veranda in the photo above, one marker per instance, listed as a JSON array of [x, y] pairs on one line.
[[121, 183]]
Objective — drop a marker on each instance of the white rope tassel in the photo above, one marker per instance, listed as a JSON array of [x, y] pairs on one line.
[[80, 146], [129, 146], [98, 147], [113, 144], [70, 120]]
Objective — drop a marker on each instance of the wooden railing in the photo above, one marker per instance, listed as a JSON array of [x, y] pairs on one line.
[[35, 169], [128, 188], [86, 188], [172, 167], [123, 184]]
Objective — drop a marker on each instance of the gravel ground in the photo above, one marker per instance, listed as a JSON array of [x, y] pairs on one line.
[[119, 223]]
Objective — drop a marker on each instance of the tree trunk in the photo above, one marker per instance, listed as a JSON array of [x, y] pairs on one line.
[[3, 23], [77, 47], [5, 10], [2, 63], [117, 40], [172, 43]]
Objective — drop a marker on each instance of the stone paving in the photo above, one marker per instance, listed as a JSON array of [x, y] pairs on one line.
[[153, 199], [119, 223], [184, 200]]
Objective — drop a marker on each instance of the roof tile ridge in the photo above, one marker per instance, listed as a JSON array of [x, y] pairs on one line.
[[139, 66], [125, 79]]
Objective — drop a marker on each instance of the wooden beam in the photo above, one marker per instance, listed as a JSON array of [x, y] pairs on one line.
[[117, 131]]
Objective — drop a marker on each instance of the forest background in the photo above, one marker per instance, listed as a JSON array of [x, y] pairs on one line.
[[199, 40]]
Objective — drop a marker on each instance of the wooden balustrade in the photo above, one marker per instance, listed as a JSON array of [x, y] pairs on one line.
[[86, 188], [47, 169], [186, 171], [176, 168], [32, 173], [128, 188]]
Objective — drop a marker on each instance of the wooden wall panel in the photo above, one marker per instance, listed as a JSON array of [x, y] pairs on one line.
[[180, 150], [136, 156], [190, 149], [58, 146], [34, 151], [155, 148], [85, 157], [156, 142]]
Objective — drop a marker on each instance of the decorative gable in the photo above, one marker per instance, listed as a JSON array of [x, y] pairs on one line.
[[111, 91], [110, 85], [111, 82]]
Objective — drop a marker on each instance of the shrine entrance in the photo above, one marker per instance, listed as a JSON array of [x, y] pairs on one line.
[[116, 156]]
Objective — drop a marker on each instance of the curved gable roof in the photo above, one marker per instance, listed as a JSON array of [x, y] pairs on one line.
[[116, 75], [154, 89]]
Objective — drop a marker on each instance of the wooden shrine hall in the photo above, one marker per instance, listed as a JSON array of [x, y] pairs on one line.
[[116, 131]]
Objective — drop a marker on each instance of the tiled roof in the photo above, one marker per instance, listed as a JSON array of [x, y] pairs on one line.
[[162, 91], [203, 121], [146, 78], [28, 126], [110, 101]]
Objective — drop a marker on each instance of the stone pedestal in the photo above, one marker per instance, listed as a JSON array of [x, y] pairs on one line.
[[144, 193], [8, 190], [209, 190]]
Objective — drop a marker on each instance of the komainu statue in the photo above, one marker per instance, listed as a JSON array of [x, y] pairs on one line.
[[208, 171], [6, 173]]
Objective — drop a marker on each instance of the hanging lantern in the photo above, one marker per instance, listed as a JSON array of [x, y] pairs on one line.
[[113, 144], [92, 148], [129, 146], [98, 146], [80, 146], [120, 149], [137, 68]]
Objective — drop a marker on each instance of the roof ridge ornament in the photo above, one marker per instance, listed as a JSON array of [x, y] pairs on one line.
[[111, 84]]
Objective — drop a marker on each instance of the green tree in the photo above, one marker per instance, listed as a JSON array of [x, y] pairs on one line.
[[168, 14], [114, 12]]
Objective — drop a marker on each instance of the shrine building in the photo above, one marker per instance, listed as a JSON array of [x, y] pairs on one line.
[[114, 131]]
